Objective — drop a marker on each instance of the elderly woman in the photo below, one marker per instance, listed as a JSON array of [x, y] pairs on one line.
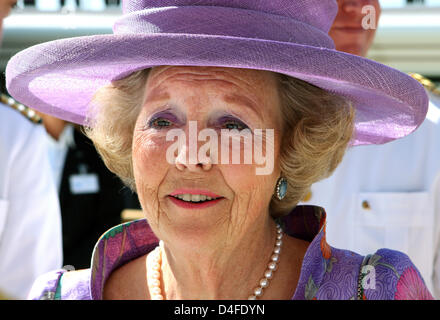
[[216, 229]]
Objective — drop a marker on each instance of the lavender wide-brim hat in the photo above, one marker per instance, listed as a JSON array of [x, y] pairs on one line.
[[285, 36]]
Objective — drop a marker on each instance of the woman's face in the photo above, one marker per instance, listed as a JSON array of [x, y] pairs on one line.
[[192, 100]]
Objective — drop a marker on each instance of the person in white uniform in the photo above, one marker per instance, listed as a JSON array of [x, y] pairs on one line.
[[30, 223], [386, 195]]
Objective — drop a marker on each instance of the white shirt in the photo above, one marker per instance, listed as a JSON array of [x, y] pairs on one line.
[[388, 196], [30, 221], [57, 150]]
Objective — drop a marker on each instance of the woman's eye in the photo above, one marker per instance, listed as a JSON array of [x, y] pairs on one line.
[[159, 123], [234, 124]]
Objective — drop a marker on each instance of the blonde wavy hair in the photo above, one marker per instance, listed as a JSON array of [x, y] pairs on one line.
[[317, 129]]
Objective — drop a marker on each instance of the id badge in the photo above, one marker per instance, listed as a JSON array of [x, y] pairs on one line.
[[84, 183]]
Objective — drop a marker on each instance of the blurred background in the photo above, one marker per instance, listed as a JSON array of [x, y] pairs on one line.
[[408, 36]]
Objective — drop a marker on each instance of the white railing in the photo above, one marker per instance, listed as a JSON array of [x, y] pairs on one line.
[[408, 39], [71, 5], [407, 3]]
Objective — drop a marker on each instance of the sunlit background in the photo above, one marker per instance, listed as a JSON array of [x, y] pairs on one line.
[[408, 36]]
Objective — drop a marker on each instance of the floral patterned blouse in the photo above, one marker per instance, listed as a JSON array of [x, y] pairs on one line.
[[326, 273]]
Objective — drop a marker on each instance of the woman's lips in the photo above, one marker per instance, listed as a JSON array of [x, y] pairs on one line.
[[194, 205], [350, 29], [195, 191]]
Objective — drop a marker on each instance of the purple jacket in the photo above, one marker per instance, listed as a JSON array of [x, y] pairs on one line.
[[326, 273]]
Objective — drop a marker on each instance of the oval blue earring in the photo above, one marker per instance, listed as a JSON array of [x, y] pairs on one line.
[[281, 188]]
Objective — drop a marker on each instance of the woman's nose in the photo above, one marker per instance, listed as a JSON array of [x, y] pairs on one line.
[[353, 5], [185, 161]]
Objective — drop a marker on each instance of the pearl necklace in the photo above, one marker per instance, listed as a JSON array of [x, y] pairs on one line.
[[154, 262]]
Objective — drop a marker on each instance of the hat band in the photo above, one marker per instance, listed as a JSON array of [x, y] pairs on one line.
[[221, 21]]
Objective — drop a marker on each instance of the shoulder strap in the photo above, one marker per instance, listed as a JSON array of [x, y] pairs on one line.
[[27, 112], [428, 84]]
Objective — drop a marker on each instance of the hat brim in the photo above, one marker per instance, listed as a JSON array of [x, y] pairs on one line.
[[60, 77]]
